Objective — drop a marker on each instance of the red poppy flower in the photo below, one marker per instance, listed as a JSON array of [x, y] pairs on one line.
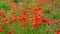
[[10, 31], [1, 29], [57, 31], [12, 13], [14, 19], [45, 19], [36, 19], [42, 1], [6, 20], [22, 17], [34, 24], [36, 9], [10, 0], [23, 24], [39, 15], [24, 11], [1, 14], [51, 21]]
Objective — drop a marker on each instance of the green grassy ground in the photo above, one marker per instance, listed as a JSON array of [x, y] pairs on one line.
[[41, 28]]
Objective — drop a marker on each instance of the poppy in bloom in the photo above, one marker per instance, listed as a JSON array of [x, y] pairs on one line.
[[10, 0], [24, 11], [1, 29], [45, 19], [1, 14], [23, 24], [14, 19], [39, 15], [42, 1], [22, 17], [51, 21], [10, 31], [6, 20], [36, 9], [34, 24], [15, 7], [12, 13], [57, 31], [36, 19]]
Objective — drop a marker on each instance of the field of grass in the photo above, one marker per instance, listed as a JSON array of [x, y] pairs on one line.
[[29, 16]]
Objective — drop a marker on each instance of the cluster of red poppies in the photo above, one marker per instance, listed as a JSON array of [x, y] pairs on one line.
[[36, 16]]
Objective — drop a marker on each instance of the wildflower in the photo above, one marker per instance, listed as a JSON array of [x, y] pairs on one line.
[[36, 19], [10, 31], [23, 24], [22, 17], [24, 11], [42, 1], [39, 15], [10, 0], [57, 31], [34, 24], [12, 13], [14, 19], [36, 9], [1, 14], [45, 19], [51, 21], [6, 20]]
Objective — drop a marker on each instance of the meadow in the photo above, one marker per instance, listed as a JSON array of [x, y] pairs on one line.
[[29, 16]]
